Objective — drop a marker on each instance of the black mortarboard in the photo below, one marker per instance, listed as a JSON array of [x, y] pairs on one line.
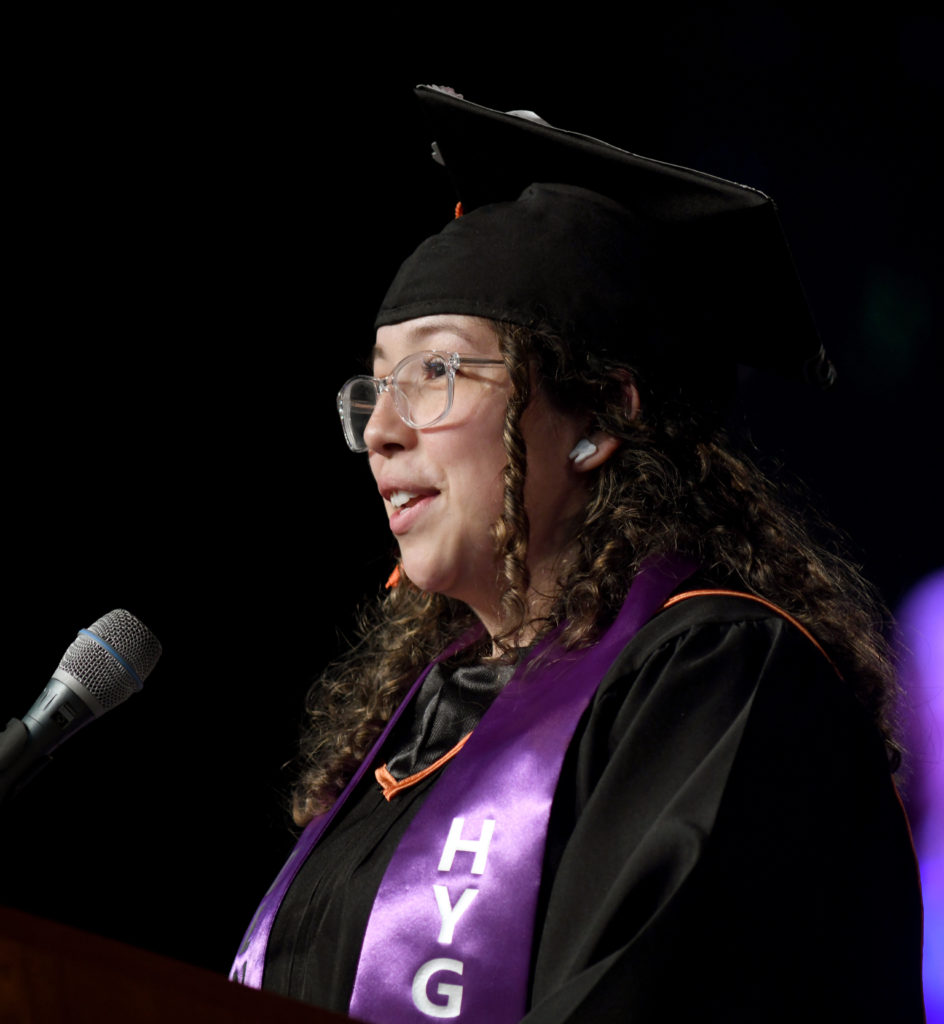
[[642, 260]]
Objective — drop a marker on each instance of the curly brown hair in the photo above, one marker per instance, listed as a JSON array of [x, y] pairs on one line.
[[676, 483]]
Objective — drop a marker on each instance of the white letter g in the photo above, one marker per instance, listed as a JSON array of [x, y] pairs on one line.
[[453, 993]]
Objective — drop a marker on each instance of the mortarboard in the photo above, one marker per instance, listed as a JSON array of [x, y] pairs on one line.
[[643, 261]]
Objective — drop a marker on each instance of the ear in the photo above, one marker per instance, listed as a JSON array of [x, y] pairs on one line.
[[592, 451]]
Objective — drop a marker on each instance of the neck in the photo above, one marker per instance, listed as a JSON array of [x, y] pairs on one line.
[[508, 630]]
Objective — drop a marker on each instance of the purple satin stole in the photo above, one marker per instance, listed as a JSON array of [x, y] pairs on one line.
[[450, 932]]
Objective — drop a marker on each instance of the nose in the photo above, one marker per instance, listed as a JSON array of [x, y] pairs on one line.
[[385, 431]]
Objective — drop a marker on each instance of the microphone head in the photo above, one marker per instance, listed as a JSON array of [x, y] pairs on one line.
[[112, 658]]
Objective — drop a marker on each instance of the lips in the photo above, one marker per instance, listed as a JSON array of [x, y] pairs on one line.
[[407, 505]]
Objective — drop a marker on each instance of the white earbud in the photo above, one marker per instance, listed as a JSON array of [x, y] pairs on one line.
[[582, 450]]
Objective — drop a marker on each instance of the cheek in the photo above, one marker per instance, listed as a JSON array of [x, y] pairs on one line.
[[482, 486], [477, 500], [475, 451]]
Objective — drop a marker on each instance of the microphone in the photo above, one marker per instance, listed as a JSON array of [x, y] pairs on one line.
[[103, 666]]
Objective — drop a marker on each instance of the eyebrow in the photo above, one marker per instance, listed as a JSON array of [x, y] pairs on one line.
[[377, 352]]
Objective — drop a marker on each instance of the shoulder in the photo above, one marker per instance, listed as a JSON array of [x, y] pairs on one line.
[[726, 669], [714, 617], [722, 640]]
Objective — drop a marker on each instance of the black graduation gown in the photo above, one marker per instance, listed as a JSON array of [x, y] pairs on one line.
[[725, 844]]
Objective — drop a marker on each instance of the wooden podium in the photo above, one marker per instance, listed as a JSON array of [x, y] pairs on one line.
[[51, 974]]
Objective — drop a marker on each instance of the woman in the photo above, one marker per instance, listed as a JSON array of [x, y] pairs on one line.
[[614, 746]]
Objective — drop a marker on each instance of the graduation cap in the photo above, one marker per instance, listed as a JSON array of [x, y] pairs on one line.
[[651, 264]]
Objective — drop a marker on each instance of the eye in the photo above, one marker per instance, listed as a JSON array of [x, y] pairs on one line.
[[434, 367]]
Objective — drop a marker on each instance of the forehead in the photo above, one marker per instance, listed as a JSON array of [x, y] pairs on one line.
[[444, 333]]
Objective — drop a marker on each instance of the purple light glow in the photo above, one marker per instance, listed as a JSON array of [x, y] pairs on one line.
[[922, 629]]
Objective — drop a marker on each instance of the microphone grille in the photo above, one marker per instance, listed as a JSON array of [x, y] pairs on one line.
[[99, 671]]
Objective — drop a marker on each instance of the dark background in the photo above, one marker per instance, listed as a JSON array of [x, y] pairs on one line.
[[201, 220]]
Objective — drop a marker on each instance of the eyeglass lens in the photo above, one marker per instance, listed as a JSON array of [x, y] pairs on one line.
[[420, 390]]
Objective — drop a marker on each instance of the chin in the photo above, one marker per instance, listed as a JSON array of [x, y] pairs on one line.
[[427, 577], [434, 579]]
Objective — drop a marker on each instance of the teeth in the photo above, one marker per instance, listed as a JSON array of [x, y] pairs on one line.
[[399, 498]]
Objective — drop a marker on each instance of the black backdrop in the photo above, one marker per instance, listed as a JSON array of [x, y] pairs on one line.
[[201, 219]]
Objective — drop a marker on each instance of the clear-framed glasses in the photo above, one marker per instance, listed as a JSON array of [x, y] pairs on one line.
[[421, 386]]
